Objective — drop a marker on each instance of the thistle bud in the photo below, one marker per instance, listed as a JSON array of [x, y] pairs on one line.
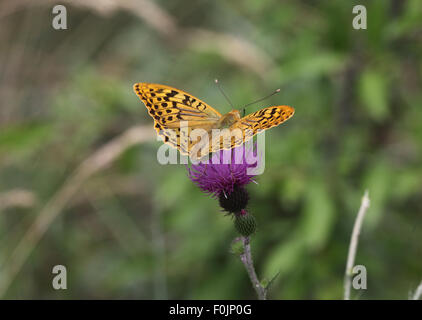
[[244, 223]]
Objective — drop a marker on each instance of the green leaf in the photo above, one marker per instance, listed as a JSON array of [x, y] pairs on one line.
[[237, 247], [284, 257], [318, 216], [23, 136], [267, 283], [378, 181], [373, 91]]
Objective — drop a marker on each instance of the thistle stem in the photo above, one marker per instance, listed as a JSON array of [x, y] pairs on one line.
[[246, 258]]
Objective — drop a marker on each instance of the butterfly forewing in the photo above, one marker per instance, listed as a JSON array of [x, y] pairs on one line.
[[173, 109]]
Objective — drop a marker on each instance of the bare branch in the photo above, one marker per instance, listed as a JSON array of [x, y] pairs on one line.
[[17, 198], [354, 244], [418, 293]]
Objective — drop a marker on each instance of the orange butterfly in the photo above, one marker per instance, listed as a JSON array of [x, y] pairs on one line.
[[178, 114]]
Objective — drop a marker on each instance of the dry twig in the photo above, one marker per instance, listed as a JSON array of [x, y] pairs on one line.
[[418, 293], [354, 245], [17, 198]]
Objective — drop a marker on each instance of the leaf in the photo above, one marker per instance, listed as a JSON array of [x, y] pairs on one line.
[[373, 92], [318, 216], [23, 137], [378, 181], [267, 283], [236, 247], [285, 257]]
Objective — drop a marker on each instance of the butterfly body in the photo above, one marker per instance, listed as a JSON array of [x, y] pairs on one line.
[[228, 119], [189, 124]]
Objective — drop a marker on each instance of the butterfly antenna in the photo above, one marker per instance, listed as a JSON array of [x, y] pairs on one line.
[[222, 92], [266, 97]]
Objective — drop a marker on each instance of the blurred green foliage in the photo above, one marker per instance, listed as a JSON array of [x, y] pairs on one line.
[[141, 230]]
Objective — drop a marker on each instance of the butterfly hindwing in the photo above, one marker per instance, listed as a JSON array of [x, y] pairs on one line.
[[260, 120], [245, 128], [266, 118]]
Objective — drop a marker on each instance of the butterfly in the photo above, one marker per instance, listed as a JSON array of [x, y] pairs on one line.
[[180, 119]]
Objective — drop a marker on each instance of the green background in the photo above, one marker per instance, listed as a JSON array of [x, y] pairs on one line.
[[136, 229]]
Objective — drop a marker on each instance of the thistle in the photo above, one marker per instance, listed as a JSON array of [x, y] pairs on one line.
[[226, 182]]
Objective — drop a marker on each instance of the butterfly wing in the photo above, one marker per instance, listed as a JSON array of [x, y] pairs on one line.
[[265, 118], [176, 113], [248, 126]]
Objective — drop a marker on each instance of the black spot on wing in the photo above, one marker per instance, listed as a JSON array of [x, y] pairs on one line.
[[172, 93]]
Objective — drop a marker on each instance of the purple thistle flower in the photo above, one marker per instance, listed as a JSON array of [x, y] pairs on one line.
[[226, 171]]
